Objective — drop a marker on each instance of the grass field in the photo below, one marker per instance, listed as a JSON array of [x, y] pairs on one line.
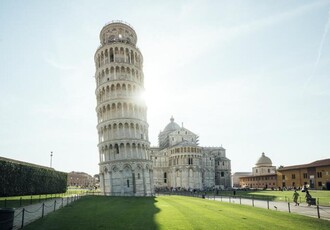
[[169, 212], [323, 196], [19, 201]]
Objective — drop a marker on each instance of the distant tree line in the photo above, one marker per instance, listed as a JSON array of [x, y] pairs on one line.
[[18, 179]]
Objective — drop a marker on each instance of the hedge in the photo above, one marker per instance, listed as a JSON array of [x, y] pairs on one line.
[[18, 179]]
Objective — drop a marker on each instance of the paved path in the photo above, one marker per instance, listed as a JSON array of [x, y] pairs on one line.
[[302, 209], [34, 211]]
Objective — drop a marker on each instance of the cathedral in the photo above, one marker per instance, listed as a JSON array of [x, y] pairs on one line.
[[128, 165], [180, 163]]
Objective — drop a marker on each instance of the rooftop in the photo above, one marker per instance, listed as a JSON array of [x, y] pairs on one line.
[[264, 161], [319, 163], [119, 21], [172, 126]]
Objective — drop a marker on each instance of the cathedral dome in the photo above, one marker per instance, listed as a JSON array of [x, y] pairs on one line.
[[172, 126], [264, 161]]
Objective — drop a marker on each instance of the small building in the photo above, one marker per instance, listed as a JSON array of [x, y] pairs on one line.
[[236, 176], [81, 179], [263, 175], [315, 175]]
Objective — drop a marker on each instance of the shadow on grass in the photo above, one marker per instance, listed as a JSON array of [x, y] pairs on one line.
[[238, 194], [100, 212], [252, 195]]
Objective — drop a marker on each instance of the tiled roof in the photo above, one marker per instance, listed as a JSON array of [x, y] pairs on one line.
[[319, 163]]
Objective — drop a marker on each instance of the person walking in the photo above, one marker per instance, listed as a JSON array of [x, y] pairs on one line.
[[308, 198], [295, 197]]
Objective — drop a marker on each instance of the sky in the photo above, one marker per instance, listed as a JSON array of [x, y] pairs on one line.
[[251, 76]]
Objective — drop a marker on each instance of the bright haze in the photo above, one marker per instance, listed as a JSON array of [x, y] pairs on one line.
[[252, 76]]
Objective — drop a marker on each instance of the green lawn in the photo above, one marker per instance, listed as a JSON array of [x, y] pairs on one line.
[[323, 196], [18, 201], [169, 212]]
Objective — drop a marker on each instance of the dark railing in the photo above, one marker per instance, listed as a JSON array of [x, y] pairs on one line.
[[119, 21], [27, 200], [316, 210], [30, 213]]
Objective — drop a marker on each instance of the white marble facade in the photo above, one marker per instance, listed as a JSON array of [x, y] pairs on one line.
[[128, 166], [125, 164], [180, 163]]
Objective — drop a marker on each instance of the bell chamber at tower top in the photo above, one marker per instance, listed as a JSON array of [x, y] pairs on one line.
[[118, 31]]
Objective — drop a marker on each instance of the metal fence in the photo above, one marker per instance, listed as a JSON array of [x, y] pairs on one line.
[[28, 200], [28, 214], [318, 211], [118, 194]]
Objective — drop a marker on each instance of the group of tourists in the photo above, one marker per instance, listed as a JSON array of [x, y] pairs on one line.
[[309, 199]]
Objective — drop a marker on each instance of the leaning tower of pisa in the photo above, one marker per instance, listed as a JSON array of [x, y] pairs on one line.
[[125, 165]]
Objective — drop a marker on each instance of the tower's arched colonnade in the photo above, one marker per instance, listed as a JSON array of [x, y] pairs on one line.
[[125, 165]]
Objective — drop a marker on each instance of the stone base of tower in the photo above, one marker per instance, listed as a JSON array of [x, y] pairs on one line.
[[126, 179]]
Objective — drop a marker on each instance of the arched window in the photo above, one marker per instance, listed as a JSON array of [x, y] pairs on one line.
[[117, 148], [165, 177], [111, 55]]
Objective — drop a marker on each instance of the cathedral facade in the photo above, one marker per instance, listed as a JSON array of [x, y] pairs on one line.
[[180, 163]]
